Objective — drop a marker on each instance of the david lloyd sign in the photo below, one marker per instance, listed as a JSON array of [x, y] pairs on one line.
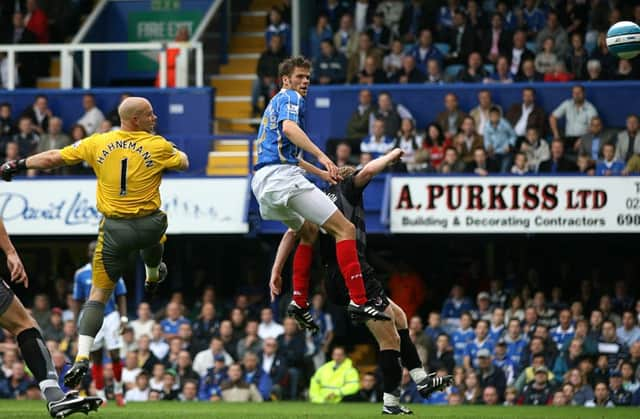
[[68, 206], [515, 205]]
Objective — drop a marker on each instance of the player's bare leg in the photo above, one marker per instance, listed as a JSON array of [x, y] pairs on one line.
[[38, 359], [298, 309]]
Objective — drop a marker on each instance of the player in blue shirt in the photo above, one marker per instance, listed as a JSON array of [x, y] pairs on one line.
[[481, 341], [115, 321], [284, 194], [461, 337]]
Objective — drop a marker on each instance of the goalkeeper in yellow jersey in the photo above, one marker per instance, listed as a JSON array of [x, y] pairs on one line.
[[128, 163]]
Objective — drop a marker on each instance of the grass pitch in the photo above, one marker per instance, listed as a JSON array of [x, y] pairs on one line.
[[11, 409]]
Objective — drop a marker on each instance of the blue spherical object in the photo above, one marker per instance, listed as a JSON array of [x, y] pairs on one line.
[[623, 40]]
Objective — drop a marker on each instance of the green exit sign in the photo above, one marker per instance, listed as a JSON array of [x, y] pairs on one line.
[[165, 5]]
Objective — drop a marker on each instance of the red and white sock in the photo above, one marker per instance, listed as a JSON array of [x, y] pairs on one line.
[[117, 376], [302, 274], [347, 256], [98, 379]]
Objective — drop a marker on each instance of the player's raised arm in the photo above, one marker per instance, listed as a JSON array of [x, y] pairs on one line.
[[286, 246], [46, 160], [376, 166]]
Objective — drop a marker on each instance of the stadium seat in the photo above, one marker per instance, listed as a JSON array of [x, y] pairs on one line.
[[452, 70], [443, 47]]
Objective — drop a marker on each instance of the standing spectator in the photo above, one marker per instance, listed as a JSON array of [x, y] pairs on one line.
[[408, 73], [499, 139], [593, 142], [496, 40], [546, 59], [251, 342], [371, 73], [628, 333], [236, 389], [346, 39], [358, 125], [277, 26], [610, 346], [392, 114], [254, 374], [393, 61], [519, 53], [334, 380], [39, 114], [268, 328], [601, 397], [140, 393], [144, 323], [558, 163], [378, 143], [451, 118], [480, 342], [26, 138], [292, 347], [267, 70], [321, 32], [480, 113], [359, 57], [619, 396], [474, 72], [93, 116], [461, 337], [628, 142], [528, 73], [539, 392], [554, 31], [424, 51], [379, 33], [462, 40], [454, 307], [468, 140], [609, 166], [435, 144], [577, 59], [330, 67], [488, 374]]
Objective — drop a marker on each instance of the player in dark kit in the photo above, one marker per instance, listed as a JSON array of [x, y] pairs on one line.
[[396, 347], [14, 318]]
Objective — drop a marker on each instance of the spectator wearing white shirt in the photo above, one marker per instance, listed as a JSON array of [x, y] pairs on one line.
[[526, 114], [93, 116], [577, 112], [158, 346], [535, 149], [130, 371], [268, 328], [378, 143], [628, 333], [140, 393], [205, 359], [157, 378], [144, 323], [601, 399]]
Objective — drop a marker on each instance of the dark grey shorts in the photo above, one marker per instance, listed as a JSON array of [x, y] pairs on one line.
[[6, 297]]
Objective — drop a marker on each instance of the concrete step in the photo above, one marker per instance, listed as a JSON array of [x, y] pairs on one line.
[[235, 107], [54, 67], [248, 42], [232, 145], [236, 125], [228, 163], [251, 21], [231, 87], [240, 66], [264, 4], [48, 83]]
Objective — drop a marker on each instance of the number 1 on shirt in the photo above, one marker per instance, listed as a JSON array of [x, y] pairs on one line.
[[123, 176]]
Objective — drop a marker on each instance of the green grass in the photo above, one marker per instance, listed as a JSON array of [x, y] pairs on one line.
[[161, 410]]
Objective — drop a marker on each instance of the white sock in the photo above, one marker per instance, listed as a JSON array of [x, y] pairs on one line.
[[390, 399], [84, 346], [152, 273], [101, 394], [117, 387], [45, 384], [418, 374]]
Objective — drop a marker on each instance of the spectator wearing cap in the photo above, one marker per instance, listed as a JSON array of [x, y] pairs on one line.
[[619, 396], [497, 329], [610, 346], [488, 374], [461, 337], [528, 374], [515, 341], [205, 359], [565, 331], [539, 392], [481, 341], [601, 398], [140, 393], [454, 306], [503, 362], [212, 379], [483, 312], [628, 333]]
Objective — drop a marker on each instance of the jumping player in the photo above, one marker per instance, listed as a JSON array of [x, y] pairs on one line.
[[128, 163], [16, 320], [285, 194], [115, 320], [396, 347]]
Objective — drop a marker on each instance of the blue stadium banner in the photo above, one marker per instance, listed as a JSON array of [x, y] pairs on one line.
[[536, 204], [68, 206]]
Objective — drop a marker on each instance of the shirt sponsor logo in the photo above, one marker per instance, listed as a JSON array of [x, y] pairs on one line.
[[292, 108]]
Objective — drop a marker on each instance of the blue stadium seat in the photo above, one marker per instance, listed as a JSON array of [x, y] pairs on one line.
[[532, 46], [452, 70], [443, 47]]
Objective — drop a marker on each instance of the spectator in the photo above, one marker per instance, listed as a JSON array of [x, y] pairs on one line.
[[628, 333], [334, 380], [480, 113], [601, 398], [434, 326], [476, 17], [236, 389], [497, 329], [157, 377], [462, 40], [146, 358], [408, 73], [140, 393], [564, 332], [334, 11], [393, 61], [255, 375], [29, 63], [277, 26], [392, 114], [369, 390], [515, 310], [593, 142], [515, 341], [499, 139], [320, 32], [532, 363], [363, 13], [379, 33], [535, 149], [595, 323], [169, 390], [11, 151], [539, 392], [510, 396], [415, 17], [7, 127], [409, 142], [422, 341], [184, 369], [569, 359], [502, 74], [558, 73], [468, 140], [212, 379], [504, 363], [546, 59], [594, 70], [483, 311], [581, 389], [265, 85], [619, 396], [408, 389], [577, 59], [225, 333], [358, 125], [41, 311], [392, 12], [496, 41], [612, 347], [622, 300], [113, 115], [546, 315], [205, 359], [38, 23], [322, 340], [424, 51], [343, 154], [358, 59], [528, 73], [26, 138], [93, 116], [16, 385], [629, 381], [273, 364], [451, 118], [480, 342], [608, 61], [39, 114], [488, 374], [443, 356], [345, 38], [472, 390], [461, 337], [434, 72], [173, 321], [451, 162], [534, 18], [556, 32], [54, 138], [268, 328], [558, 163], [628, 142], [446, 14], [454, 307], [474, 72], [606, 307], [189, 391], [435, 144], [377, 144], [609, 166], [519, 53], [633, 165], [251, 342], [624, 71], [130, 371], [292, 347], [143, 325], [371, 73]]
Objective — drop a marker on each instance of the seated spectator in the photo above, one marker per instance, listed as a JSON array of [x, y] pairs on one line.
[[502, 74], [229, 342], [434, 326], [608, 165], [140, 393], [515, 310], [371, 73], [26, 138], [345, 38], [624, 71], [435, 144], [323, 339], [546, 59], [146, 358], [570, 359], [7, 127], [618, 394], [358, 59], [38, 22], [532, 364], [254, 374], [451, 118], [510, 397], [391, 113], [519, 53], [251, 342], [39, 114], [454, 307], [472, 390], [483, 310], [480, 342], [358, 125], [157, 377], [205, 359], [424, 51], [535, 149], [330, 67], [474, 72], [581, 391], [236, 389], [576, 61], [268, 328], [113, 115], [265, 85], [334, 380], [609, 345], [29, 63], [213, 377], [408, 389], [379, 33], [504, 363], [334, 10], [377, 144], [184, 368], [629, 381], [488, 374], [462, 40], [130, 371], [520, 164], [628, 142], [144, 323], [480, 113], [434, 72], [415, 16], [633, 166], [369, 390], [408, 73], [622, 299], [593, 142], [559, 73], [516, 343], [565, 331], [443, 356], [16, 385], [556, 32], [558, 163], [594, 71], [528, 73], [608, 62], [320, 32], [534, 17], [499, 139], [276, 26], [496, 40], [11, 151], [189, 391], [628, 333], [408, 141], [393, 61], [601, 398], [274, 364], [54, 138], [169, 389], [173, 321], [497, 328], [364, 159], [539, 392], [476, 17], [292, 347], [451, 162], [468, 140], [93, 116]]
